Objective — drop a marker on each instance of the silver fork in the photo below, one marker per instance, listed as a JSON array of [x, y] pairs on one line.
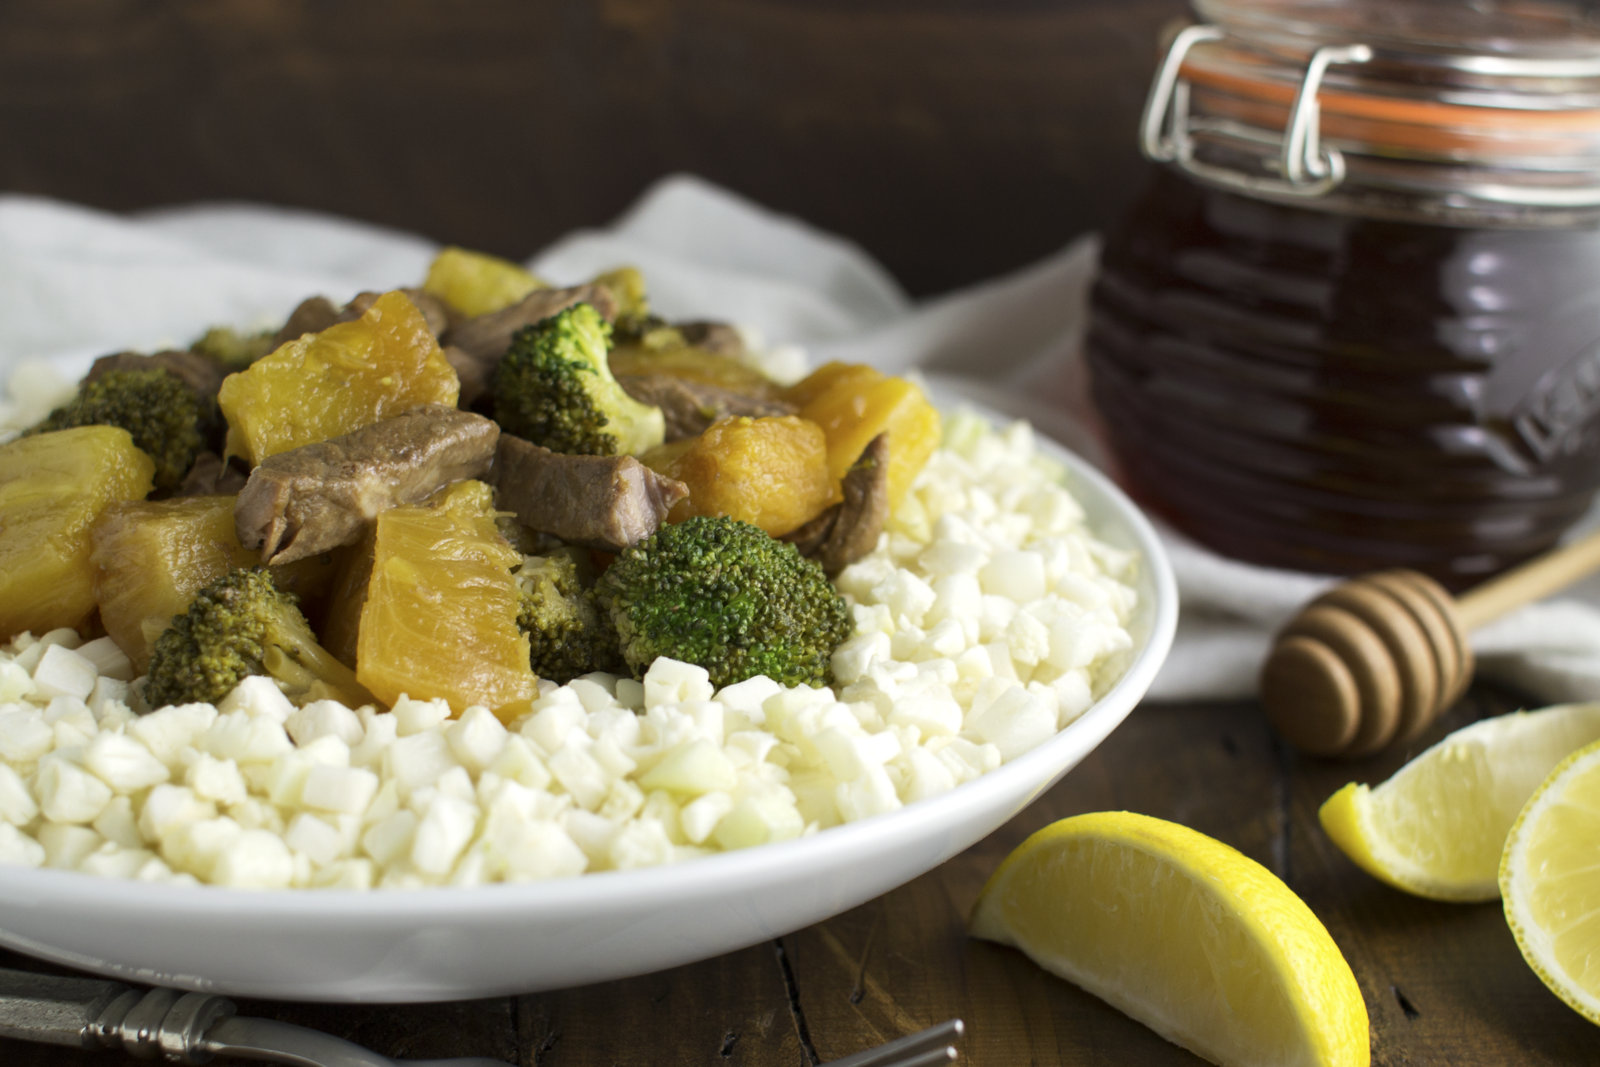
[[925, 1048], [190, 1028]]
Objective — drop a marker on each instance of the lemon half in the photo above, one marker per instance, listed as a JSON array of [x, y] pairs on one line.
[[1183, 933], [1550, 881], [1437, 827]]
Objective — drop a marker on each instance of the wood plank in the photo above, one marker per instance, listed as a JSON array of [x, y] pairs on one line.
[[1443, 982], [904, 961], [954, 141], [733, 1009]]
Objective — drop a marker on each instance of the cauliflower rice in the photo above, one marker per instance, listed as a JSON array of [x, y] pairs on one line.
[[988, 618]]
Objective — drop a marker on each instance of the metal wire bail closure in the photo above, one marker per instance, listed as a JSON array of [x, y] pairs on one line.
[[1304, 166]]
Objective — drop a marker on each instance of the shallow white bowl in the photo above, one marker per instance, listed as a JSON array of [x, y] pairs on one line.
[[445, 944]]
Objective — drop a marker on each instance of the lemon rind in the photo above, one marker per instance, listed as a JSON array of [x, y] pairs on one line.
[[1347, 816], [1531, 938], [1360, 837], [1324, 997]]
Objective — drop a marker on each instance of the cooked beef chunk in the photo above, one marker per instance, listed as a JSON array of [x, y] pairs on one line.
[[312, 315], [472, 373], [808, 538], [716, 337], [210, 476], [200, 373], [485, 338], [690, 407], [604, 502], [434, 310], [316, 497], [849, 530], [316, 313]]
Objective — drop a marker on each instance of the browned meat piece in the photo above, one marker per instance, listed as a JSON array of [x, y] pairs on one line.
[[200, 373], [716, 337], [312, 315], [472, 373], [604, 502], [485, 338], [210, 476], [849, 530], [433, 309], [316, 497], [808, 538], [690, 407], [316, 313]]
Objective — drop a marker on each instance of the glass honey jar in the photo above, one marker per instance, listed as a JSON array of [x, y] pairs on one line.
[[1354, 320]]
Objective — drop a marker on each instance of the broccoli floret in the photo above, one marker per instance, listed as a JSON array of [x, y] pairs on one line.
[[243, 624], [164, 416], [554, 388], [722, 593], [568, 633], [232, 349]]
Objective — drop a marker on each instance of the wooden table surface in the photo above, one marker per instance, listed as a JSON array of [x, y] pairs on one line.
[[1444, 983]]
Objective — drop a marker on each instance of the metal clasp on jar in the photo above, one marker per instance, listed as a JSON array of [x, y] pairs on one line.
[[1299, 164]]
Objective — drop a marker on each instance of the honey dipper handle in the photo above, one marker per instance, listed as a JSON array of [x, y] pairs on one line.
[[1530, 581]]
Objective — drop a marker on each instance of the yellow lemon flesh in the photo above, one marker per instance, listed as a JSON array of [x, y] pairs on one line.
[[1183, 933], [1550, 881], [1437, 827]]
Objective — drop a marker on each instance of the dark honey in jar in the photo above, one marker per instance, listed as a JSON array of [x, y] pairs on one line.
[[1354, 320]]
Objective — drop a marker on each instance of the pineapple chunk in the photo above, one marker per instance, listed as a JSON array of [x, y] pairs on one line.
[[770, 472], [152, 556], [53, 486], [845, 377], [626, 286], [475, 283], [854, 403], [350, 375], [440, 618]]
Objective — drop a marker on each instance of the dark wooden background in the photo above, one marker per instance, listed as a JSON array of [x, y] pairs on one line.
[[953, 139]]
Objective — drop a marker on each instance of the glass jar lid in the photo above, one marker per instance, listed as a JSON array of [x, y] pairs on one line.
[[1406, 107]]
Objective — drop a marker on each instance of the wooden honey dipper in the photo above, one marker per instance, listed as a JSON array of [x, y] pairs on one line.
[[1373, 661]]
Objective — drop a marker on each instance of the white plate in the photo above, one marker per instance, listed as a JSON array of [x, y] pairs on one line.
[[444, 944]]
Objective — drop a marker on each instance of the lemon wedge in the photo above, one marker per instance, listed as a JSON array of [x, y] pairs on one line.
[[1437, 827], [1183, 933], [1550, 881]]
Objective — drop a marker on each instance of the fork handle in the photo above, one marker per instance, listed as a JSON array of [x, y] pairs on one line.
[[56, 1010], [95, 1013], [184, 1028]]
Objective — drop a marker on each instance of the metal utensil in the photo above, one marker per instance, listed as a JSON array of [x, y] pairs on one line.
[[925, 1048], [191, 1028], [187, 1028]]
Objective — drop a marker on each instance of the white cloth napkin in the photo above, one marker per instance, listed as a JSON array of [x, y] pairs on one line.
[[76, 282]]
